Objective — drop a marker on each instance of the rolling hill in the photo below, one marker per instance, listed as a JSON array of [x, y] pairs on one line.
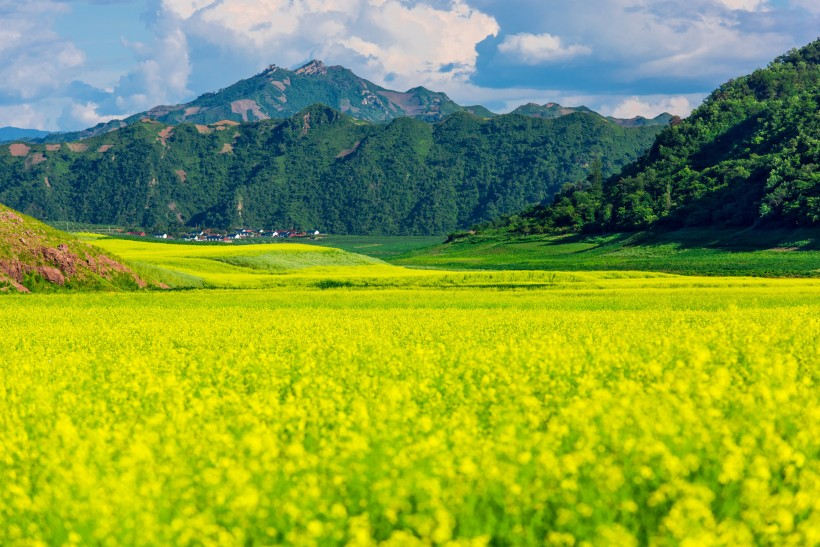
[[37, 258], [748, 157], [317, 169]]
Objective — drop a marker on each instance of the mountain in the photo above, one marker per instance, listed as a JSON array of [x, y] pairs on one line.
[[317, 169], [549, 110], [8, 134], [749, 156], [278, 93], [555, 110], [35, 257]]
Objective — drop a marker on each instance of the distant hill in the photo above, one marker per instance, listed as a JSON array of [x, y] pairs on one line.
[[35, 257], [278, 93], [555, 110], [8, 134], [749, 156], [317, 169]]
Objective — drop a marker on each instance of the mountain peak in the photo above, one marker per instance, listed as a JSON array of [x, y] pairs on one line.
[[313, 68]]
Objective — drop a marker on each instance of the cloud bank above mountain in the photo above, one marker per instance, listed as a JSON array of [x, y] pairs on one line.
[[58, 69]]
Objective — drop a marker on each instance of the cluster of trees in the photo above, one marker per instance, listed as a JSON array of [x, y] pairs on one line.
[[749, 156], [318, 169]]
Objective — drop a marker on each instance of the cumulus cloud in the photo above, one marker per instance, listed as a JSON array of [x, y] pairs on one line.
[[405, 42], [540, 48], [34, 60], [22, 115], [745, 5], [83, 115], [649, 107], [160, 75]]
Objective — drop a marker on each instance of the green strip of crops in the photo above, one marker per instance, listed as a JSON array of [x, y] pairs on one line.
[[679, 411]]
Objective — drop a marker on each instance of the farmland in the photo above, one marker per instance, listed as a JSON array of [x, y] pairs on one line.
[[318, 397]]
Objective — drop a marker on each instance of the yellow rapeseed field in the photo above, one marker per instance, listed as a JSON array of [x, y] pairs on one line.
[[562, 409]]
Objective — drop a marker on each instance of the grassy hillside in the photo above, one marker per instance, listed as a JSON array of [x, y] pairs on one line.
[[319, 169], [37, 258]]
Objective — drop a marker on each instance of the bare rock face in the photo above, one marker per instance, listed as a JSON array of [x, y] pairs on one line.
[[52, 275], [61, 258]]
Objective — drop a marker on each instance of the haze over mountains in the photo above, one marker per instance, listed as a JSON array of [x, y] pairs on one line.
[[9, 134]]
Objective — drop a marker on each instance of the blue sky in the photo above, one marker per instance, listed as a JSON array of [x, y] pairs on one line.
[[69, 64]]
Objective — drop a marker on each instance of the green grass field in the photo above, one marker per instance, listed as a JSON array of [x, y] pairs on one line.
[[304, 395], [689, 252]]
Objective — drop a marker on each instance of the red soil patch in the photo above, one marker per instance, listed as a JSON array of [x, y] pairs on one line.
[[105, 148], [53, 147], [183, 176], [19, 150], [34, 159], [226, 149], [203, 129], [77, 147]]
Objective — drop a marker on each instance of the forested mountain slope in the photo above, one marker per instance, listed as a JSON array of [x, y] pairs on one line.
[[749, 156], [317, 169]]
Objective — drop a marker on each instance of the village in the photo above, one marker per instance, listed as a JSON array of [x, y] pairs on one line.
[[213, 236]]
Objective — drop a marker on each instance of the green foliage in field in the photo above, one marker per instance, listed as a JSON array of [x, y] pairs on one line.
[[608, 412], [318, 169], [750, 155], [771, 253]]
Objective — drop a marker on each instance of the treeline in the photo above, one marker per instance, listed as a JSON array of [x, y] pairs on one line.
[[318, 169], [749, 156]]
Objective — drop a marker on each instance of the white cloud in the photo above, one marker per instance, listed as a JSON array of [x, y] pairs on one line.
[[22, 115], [34, 60], [408, 43], [745, 5], [651, 106], [540, 48], [161, 74], [810, 5], [85, 114]]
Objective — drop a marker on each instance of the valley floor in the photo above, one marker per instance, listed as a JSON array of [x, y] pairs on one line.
[[316, 397]]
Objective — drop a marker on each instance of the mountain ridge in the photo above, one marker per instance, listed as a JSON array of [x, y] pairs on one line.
[[749, 156], [11, 134]]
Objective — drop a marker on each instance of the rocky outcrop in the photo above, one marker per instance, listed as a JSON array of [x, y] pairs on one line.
[[32, 254]]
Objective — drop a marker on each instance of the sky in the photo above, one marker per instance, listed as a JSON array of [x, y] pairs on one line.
[[70, 64]]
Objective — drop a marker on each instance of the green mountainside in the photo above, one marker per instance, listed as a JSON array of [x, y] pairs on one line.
[[555, 110], [749, 156], [37, 258], [278, 93], [317, 169]]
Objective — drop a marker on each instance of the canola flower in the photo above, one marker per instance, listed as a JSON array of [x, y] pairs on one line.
[[604, 410]]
